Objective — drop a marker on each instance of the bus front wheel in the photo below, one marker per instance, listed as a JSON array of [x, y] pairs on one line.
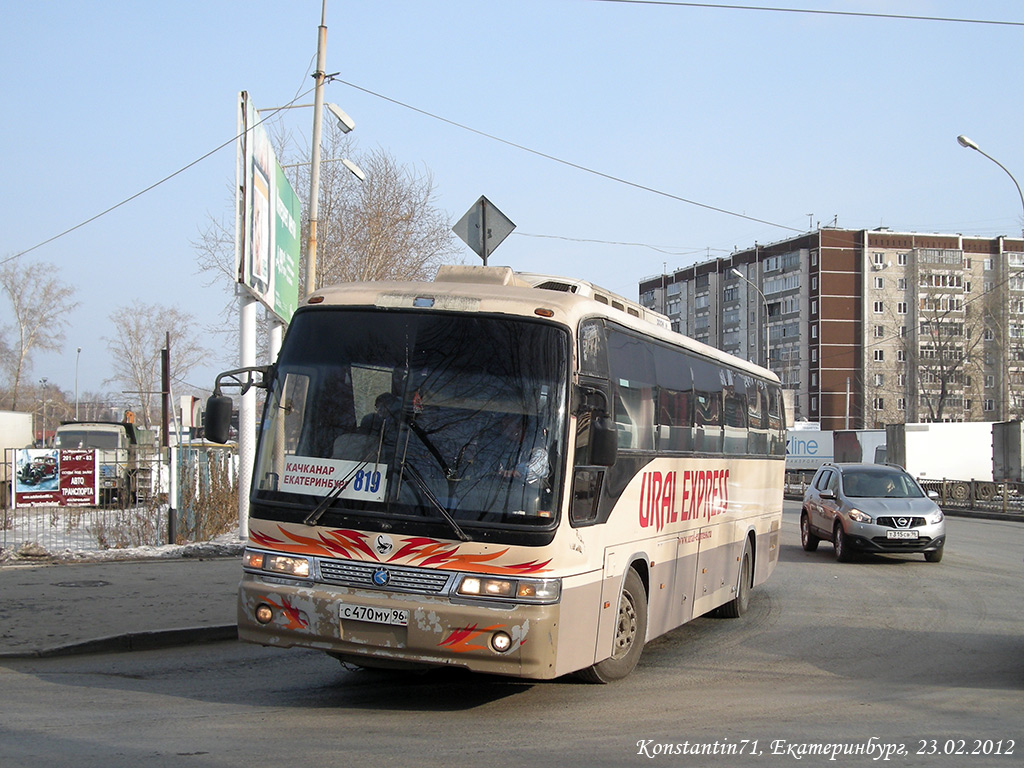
[[630, 634]]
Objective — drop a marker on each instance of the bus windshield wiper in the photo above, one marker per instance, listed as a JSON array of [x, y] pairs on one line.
[[318, 511], [322, 506], [422, 485]]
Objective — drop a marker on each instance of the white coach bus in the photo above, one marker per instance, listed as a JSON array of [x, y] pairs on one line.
[[511, 473]]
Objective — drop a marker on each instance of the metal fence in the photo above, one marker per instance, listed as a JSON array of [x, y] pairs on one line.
[[205, 505], [976, 495]]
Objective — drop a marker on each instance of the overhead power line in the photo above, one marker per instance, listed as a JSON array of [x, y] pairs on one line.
[[151, 187], [816, 11], [577, 166]]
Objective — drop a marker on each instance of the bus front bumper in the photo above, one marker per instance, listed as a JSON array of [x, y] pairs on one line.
[[503, 639]]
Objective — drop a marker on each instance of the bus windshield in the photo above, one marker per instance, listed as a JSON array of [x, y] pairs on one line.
[[405, 415]]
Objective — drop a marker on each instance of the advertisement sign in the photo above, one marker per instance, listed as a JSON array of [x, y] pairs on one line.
[[77, 478], [52, 478], [269, 217], [807, 450]]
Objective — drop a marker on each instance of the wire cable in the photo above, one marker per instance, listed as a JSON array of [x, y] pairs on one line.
[[577, 166], [817, 11], [151, 187]]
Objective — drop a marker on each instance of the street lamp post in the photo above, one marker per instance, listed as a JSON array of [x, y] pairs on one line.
[[314, 177], [43, 381], [767, 342], [968, 144], [1004, 392], [77, 356]]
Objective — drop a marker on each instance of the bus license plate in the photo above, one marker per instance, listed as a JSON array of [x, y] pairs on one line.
[[396, 616], [901, 534]]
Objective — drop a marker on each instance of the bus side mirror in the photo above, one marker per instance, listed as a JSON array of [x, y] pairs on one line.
[[604, 434], [217, 424], [604, 441]]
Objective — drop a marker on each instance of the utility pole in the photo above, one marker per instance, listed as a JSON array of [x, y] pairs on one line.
[[314, 175], [165, 442]]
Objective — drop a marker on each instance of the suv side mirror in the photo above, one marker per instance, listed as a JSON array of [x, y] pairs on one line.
[[828, 493]]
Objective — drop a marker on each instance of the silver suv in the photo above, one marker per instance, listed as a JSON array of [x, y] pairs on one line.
[[870, 508]]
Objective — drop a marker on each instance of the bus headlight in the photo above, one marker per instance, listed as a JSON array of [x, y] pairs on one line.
[[518, 590], [281, 564]]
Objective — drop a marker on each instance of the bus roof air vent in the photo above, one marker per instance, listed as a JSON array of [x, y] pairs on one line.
[[463, 273], [555, 285]]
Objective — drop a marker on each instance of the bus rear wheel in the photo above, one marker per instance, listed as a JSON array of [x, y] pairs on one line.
[[739, 604], [630, 634]]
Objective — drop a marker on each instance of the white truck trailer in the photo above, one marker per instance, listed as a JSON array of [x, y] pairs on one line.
[[15, 433]]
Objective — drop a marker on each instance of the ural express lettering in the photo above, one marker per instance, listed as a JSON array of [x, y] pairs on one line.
[[671, 497]]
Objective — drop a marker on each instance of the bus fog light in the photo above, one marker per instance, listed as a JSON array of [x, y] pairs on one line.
[[264, 613], [501, 641]]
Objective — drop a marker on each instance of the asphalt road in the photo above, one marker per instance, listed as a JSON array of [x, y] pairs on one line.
[[883, 658]]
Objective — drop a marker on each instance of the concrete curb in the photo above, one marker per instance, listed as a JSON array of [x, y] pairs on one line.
[[132, 641]]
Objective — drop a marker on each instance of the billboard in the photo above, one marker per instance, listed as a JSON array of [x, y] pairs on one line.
[[269, 218], [52, 477]]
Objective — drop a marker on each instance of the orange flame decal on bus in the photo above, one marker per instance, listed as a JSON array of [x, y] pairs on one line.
[[292, 615], [416, 551], [460, 640]]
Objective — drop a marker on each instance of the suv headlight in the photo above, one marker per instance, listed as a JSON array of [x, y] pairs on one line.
[[514, 590], [859, 517], [935, 517]]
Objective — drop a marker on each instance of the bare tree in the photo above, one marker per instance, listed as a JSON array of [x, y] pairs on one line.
[[215, 256], [136, 350], [40, 304], [387, 227], [944, 354]]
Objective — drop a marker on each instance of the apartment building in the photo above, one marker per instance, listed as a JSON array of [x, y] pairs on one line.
[[866, 327]]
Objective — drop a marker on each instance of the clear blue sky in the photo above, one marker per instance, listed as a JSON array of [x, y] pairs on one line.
[[790, 118]]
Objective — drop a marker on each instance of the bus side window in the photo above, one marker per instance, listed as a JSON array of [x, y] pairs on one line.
[[674, 421], [776, 422], [707, 384], [735, 416], [631, 368], [593, 349], [757, 410]]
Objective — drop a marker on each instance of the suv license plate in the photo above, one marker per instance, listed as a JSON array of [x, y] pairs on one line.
[[396, 616], [901, 534]]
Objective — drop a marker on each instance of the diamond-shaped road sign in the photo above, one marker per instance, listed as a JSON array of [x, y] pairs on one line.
[[483, 228]]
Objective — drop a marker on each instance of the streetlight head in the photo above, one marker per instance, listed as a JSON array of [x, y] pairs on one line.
[[965, 142], [345, 122], [735, 272], [355, 169]]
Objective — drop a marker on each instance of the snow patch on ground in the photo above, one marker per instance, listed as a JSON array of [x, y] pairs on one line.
[[32, 535]]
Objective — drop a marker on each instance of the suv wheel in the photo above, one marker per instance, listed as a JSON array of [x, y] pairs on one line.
[[807, 539], [842, 544]]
